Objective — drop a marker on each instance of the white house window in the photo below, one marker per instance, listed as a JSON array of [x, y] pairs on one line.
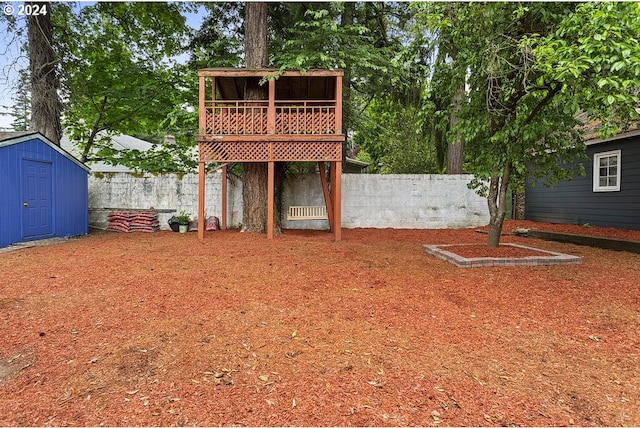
[[606, 171]]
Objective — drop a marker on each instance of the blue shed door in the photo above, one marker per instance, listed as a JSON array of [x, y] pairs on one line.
[[36, 199]]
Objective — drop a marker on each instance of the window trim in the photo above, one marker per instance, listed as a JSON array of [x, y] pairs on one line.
[[596, 171]]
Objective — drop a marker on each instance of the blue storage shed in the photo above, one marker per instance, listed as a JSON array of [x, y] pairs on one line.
[[43, 190]]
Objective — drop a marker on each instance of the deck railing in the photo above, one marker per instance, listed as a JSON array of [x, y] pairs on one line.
[[252, 118]]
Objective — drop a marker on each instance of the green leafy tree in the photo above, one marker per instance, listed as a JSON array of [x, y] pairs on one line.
[[396, 139], [530, 69], [178, 157], [364, 39], [219, 40], [594, 53], [119, 78], [446, 90]]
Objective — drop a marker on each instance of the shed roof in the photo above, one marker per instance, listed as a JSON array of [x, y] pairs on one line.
[[10, 138], [290, 85]]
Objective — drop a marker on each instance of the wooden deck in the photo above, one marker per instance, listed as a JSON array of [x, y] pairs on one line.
[[300, 120]]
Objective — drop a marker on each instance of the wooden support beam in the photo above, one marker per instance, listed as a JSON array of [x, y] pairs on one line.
[[202, 111], [271, 109], [325, 192], [262, 72], [270, 198], [339, 105], [213, 103], [201, 179], [336, 196], [336, 177], [223, 214], [296, 138]]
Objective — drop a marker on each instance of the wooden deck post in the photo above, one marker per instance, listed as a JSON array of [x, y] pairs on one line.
[[202, 111], [223, 214], [270, 196], [271, 109], [336, 178], [339, 104], [336, 196], [326, 193], [201, 179], [213, 103]]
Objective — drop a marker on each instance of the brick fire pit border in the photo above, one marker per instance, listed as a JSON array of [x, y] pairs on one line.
[[550, 257]]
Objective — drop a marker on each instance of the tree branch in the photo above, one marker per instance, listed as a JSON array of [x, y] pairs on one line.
[[553, 90]]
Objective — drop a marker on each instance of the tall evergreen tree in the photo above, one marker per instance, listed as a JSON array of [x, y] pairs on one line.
[[254, 174], [20, 110]]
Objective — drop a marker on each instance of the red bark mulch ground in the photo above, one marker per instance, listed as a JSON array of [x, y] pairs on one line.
[[161, 329]]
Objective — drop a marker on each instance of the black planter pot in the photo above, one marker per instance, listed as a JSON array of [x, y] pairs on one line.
[[173, 224]]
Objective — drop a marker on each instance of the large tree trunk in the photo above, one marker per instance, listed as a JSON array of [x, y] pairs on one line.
[[254, 197], [518, 197], [497, 201], [46, 107], [254, 174], [256, 52], [455, 149]]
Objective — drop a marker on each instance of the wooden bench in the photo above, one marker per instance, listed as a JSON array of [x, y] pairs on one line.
[[307, 212]]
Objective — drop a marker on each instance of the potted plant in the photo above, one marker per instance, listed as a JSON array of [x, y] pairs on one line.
[[183, 220]]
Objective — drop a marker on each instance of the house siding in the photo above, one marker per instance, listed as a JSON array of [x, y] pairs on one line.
[[575, 202], [69, 193]]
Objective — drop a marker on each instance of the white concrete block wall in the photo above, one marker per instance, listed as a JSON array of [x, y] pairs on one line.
[[368, 200], [410, 201], [304, 189], [166, 191]]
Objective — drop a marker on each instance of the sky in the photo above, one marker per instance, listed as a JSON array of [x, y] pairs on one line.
[[13, 58]]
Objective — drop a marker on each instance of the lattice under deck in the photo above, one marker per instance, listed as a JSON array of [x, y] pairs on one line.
[[265, 151]]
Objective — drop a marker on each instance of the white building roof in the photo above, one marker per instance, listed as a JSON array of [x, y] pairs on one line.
[[118, 142]]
